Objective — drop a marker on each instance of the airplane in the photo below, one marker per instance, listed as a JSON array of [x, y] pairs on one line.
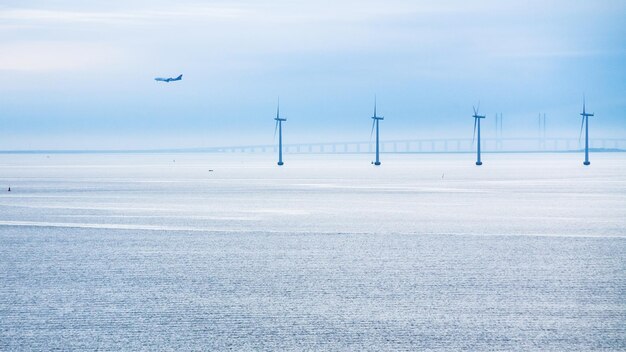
[[170, 79]]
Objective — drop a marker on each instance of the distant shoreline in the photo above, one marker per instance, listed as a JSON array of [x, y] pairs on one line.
[[206, 151]]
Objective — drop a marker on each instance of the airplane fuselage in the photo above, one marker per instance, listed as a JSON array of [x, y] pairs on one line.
[[170, 79]]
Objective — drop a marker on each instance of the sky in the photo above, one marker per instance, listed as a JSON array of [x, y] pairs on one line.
[[79, 74]]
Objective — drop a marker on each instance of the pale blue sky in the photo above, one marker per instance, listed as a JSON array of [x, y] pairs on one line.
[[79, 75]]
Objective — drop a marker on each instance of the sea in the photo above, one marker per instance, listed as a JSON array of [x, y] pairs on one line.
[[228, 251]]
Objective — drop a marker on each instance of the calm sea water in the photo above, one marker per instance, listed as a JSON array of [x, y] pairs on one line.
[[157, 252]]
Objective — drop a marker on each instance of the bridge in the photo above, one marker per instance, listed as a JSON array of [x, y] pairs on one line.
[[449, 145]]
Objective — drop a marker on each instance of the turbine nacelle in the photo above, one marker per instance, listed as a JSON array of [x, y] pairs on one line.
[[584, 115], [278, 119], [476, 117]]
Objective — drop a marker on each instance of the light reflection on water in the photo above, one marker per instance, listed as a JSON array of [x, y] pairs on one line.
[[324, 258]]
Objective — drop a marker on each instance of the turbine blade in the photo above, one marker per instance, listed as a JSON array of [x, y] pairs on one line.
[[473, 107], [374, 105], [474, 134], [278, 108], [582, 123], [372, 133], [275, 129]]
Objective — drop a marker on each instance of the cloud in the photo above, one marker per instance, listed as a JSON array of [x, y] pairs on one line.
[[326, 58], [46, 16], [46, 56]]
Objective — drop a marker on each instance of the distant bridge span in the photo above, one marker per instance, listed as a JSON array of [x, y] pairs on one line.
[[448, 145]]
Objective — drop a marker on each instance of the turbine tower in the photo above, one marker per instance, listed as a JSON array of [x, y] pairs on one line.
[[585, 123], [375, 121], [499, 131], [279, 127], [542, 131], [477, 122]]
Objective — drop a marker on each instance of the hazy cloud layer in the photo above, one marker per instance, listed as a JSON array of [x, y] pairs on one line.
[[85, 71]]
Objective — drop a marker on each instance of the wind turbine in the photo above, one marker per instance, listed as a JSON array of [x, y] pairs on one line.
[[542, 131], [375, 121], [499, 131], [585, 122], [279, 127], [477, 122]]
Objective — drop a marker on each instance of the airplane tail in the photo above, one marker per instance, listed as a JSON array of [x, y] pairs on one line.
[[179, 77]]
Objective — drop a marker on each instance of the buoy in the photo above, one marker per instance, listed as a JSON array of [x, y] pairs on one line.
[[9, 189]]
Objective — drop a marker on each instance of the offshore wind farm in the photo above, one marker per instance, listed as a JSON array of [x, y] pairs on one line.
[[140, 210], [223, 250]]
